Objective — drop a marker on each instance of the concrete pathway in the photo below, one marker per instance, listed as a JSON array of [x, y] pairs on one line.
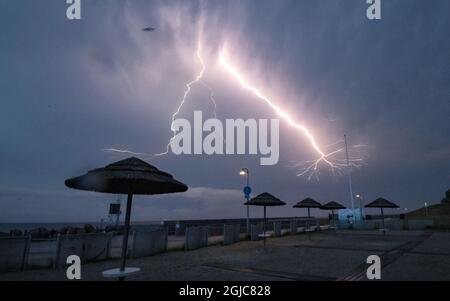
[[328, 255]]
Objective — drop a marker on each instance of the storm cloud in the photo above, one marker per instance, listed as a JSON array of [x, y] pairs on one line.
[[70, 89]]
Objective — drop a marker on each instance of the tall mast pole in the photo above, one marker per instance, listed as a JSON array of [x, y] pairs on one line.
[[349, 176]]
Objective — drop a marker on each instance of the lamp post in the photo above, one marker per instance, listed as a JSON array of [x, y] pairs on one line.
[[359, 197], [426, 209], [349, 171], [246, 172]]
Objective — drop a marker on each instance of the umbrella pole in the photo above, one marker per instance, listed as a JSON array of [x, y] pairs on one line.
[[264, 227], [248, 220], [382, 217], [125, 235], [309, 217], [332, 219]]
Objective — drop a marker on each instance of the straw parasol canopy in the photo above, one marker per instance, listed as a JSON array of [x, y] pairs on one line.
[[265, 199], [332, 206], [308, 203], [129, 176], [381, 203]]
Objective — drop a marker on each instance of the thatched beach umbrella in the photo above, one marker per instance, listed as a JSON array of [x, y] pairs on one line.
[[308, 203], [381, 203], [130, 176], [332, 206], [265, 199]]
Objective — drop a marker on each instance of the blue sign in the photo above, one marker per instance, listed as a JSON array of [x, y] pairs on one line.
[[247, 196], [247, 190], [349, 215]]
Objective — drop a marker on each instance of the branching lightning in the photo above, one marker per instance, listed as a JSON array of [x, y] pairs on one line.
[[196, 80], [211, 98], [328, 155], [185, 95], [308, 168]]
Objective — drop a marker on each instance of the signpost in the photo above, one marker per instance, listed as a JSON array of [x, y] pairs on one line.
[[247, 190]]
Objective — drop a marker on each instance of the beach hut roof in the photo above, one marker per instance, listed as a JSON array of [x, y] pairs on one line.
[[332, 206], [381, 203], [308, 203], [129, 176], [265, 199]]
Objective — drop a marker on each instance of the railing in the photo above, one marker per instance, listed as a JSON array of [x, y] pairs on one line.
[[45, 253]]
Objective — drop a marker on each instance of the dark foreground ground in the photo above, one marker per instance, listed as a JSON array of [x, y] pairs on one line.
[[341, 255]]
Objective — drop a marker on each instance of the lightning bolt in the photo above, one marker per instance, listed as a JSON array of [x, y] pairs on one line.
[[198, 79], [211, 98], [234, 72], [189, 85], [356, 160], [183, 100], [310, 168]]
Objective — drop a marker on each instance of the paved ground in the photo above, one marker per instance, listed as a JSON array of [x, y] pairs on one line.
[[328, 255]]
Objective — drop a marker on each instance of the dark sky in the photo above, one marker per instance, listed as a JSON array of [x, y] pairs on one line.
[[70, 89]]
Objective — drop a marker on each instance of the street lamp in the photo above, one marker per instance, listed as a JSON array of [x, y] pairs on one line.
[[246, 172], [359, 197], [426, 209]]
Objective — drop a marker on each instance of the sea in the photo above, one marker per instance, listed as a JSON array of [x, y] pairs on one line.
[[172, 224], [7, 227]]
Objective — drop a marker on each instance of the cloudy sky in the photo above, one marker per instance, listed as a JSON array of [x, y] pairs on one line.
[[70, 89]]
